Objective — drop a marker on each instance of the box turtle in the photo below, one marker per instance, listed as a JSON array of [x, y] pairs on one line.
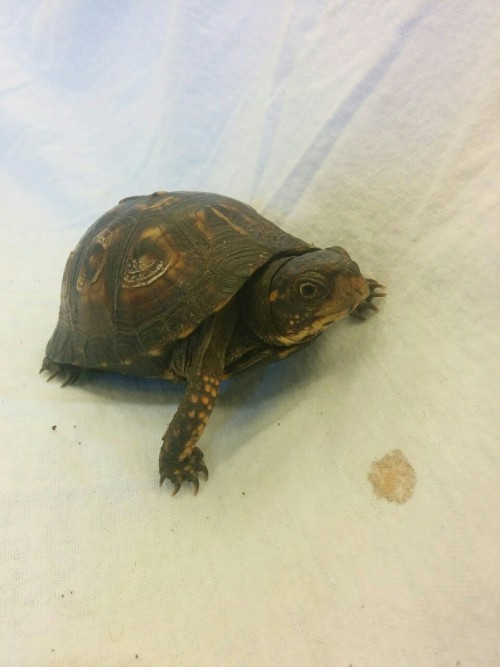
[[195, 286]]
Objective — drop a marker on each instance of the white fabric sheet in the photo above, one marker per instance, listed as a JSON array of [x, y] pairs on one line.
[[372, 125]]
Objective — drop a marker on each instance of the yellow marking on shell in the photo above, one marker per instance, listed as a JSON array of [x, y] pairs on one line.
[[213, 392], [91, 269], [185, 332], [155, 352], [194, 398], [221, 216], [206, 378], [207, 387], [273, 296], [205, 400], [150, 257], [201, 414], [143, 271], [191, 414], [200, 222], [163, 198]]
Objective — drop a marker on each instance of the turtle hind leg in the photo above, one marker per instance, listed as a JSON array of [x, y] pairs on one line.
[[69, 372]]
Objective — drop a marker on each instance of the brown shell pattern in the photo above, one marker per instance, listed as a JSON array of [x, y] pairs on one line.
[[151, 269]]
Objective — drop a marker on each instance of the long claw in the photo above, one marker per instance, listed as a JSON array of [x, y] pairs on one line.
[[52, 375], [373, 284], [180, 471], [367, 304], [73, 375]]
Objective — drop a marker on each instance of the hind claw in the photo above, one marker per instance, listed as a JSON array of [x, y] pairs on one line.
[[70, 372], [72, 377]]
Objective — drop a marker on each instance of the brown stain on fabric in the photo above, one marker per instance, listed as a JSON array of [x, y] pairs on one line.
[[393, 477]]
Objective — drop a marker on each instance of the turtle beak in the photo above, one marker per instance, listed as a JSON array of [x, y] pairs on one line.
[[350, 290]]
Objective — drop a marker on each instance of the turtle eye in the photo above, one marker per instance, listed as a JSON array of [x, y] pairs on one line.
[[308, 290]]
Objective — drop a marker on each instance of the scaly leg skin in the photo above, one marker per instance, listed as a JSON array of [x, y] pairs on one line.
[[68, 371], [180, 459], [367, 303], [202, 363]]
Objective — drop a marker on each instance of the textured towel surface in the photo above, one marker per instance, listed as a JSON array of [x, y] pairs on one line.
[[371, 125]]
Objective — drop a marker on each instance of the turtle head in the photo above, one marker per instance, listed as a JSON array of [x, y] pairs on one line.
[[296, 298]]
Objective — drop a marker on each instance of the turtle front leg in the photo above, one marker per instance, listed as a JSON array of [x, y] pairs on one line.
[[359, 312], [201, 360], [180, 459]]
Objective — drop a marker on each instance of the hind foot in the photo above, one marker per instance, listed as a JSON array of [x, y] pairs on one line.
[[69, 372]]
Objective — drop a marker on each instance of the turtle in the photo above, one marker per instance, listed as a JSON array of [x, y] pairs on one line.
[[195, 287]]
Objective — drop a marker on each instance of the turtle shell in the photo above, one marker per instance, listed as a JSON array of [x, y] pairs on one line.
[[149, 271]]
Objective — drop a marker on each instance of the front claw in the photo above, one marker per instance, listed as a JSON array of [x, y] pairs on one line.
[[367, 304], [186, 470]]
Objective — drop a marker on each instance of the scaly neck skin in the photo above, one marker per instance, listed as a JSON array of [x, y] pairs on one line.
[[255, 305]]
